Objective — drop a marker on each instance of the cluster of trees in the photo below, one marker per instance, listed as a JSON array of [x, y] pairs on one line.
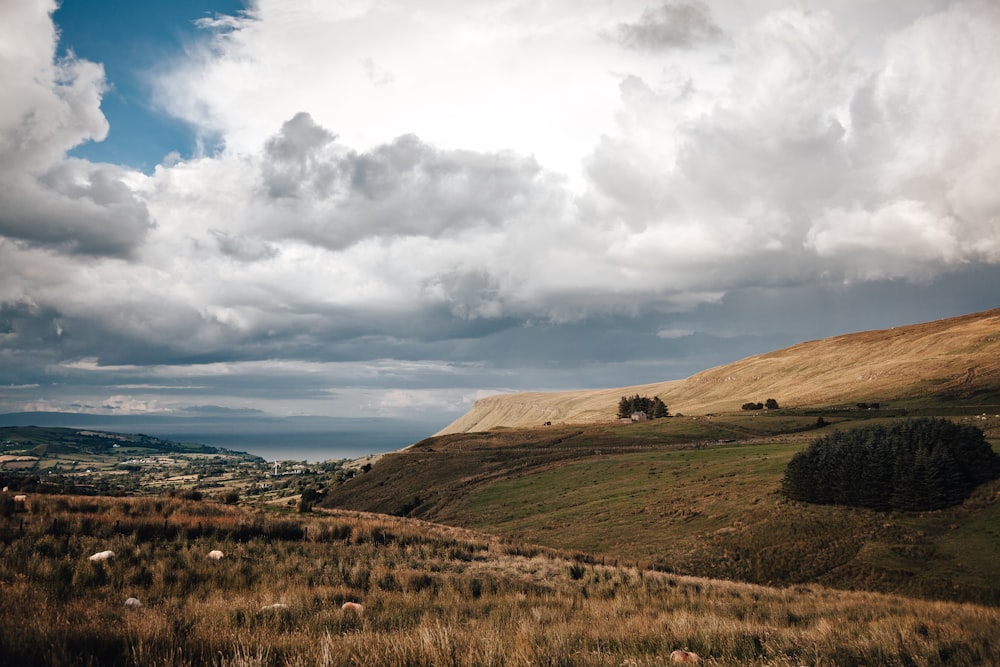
[[918, 464], [653, 407], [770, 404]]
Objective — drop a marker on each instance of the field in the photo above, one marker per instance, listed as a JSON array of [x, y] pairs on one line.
[[696, 496], [86, 462], [432, 595]]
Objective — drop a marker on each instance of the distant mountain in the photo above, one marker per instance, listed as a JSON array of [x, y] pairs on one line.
[[313, 438], [46, 441], [951, 362]]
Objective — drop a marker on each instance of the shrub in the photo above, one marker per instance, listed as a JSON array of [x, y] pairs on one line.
[[919, 464]]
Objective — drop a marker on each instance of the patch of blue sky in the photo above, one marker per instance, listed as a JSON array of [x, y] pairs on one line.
[[133, 40]]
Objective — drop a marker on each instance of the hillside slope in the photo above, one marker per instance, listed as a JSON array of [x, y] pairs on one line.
[[430, 595], [693, 495], [955, 360]]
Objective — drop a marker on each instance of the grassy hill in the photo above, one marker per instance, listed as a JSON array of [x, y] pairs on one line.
[[953, 362], [699, 495], [693, 495], [431, 595]]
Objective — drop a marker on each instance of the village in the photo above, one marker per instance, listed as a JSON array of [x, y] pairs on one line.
[[126, 469]]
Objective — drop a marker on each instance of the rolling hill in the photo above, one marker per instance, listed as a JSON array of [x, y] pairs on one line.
[[49, 441], [694, 495], [700, 494], [954, 362]]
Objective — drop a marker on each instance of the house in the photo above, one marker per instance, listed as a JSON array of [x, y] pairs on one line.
[[639, 416]]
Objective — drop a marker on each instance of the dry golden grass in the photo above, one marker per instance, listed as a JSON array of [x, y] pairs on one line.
[[956, 359], [432, 596]]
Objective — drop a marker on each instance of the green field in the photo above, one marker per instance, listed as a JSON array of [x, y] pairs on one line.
[[697, 496]]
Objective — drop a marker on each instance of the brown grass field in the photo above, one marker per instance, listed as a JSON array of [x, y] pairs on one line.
[[432, 595]]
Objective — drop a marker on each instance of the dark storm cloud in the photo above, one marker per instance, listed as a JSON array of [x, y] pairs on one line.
[[74, 207], [28, 333], [671, 25]]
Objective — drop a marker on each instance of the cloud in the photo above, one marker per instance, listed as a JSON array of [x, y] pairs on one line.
[[674, 333], [129, 405], [411, 403], [923, 138], [74, 207], [244, 248], [797, 162], [903, 239], [478, 76], [377, 76], [219, 410], [51, 105], [325, 193], [670, 25], [292, 154]]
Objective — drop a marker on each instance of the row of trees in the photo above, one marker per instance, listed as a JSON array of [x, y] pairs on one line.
[[653, 408], [918, 464]]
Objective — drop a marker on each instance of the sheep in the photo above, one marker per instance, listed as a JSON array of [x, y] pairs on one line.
[[681, 657], [277, 606], [20, 499], [215, 554], [352, 607], [102, 555], [133, 603]]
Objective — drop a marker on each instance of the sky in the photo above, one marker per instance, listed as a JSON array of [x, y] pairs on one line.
[[386, 209]]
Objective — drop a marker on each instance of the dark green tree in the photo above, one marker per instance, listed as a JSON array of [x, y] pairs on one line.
[[919, 464], [659, 408], [624, 408]]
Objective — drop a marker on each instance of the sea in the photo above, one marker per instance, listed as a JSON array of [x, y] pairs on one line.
[[309, 439]]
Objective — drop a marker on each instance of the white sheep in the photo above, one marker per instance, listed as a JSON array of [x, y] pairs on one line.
[[20, 499], [274, 607], [102, 555], [215, 554], [680, 657], [133, 603], [352, 607]]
